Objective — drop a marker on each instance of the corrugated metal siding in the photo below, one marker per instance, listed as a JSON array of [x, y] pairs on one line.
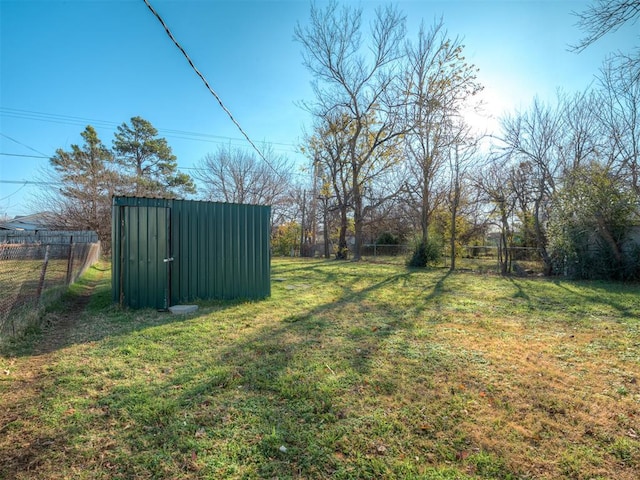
[[220, 251], [145, 246]]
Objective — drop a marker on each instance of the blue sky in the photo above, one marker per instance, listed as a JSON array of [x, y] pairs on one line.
[[66, 64]]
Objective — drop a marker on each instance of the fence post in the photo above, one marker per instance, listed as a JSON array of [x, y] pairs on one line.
[[43, 272], [70, 261]]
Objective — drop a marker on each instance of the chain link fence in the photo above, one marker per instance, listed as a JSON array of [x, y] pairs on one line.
[[522, 261], [36, 271]]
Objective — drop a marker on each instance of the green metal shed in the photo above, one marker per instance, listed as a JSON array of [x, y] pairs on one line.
[[166, 252]]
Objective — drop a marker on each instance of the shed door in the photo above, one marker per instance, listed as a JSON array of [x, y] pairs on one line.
[[145, 262]]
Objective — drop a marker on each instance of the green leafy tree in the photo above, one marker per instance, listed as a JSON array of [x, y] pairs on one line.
[[88, 182], [148, 162], [285, 239], [591, 226]]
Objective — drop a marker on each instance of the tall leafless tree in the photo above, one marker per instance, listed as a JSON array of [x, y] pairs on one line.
[[582, 140], [357, 76], [236, 176], [494, 185], [438, 84], [604, 16], [460, 161], [328, 148], [620, 117], [533, 137]]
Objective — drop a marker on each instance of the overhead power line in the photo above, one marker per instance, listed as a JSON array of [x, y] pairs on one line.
[[12, 194], [21, 155], [182, 134], [206, 83], [29, 182], [23, 144]]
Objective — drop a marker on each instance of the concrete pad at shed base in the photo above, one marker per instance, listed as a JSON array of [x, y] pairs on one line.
[[182, 309]]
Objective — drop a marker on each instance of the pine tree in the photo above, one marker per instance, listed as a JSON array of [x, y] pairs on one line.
[[148, 162], [88, 182]]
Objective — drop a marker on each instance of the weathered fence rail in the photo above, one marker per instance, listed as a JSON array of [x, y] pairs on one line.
[[44, 237]]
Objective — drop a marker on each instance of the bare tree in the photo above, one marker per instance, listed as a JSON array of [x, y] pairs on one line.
[[236, 176], [533, 137], [386, 199], [620, 117], [461, 160], [582, 140], [604, 16], [356, 77], [496, 189], [438, 84], [328, 148]]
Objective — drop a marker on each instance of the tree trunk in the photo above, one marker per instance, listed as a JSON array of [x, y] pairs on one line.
[[608, 238], [540, 240], [357, 220], [452, 241], [504, 254], [326, 229], [341, 254], [425, 208], [357, 215]]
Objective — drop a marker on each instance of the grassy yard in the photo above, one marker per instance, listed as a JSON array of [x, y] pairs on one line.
[[349, 370]]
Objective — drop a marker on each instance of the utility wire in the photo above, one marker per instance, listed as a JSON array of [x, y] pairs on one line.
[[183, 134], [21, 155], [30, 182], [208, 86], [12, 194], [23, 144]]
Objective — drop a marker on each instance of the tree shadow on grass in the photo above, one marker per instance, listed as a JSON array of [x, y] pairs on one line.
[[520, 292], [282, 386], [604, 293], [227, 407]]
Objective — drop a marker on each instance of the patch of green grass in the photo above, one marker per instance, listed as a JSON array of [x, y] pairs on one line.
[[349, 370]]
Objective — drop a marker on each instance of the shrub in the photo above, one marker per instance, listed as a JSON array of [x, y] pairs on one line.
[[387, 238], [424, 253]]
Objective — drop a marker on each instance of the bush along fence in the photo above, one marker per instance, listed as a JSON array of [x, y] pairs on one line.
[[34, 271]]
